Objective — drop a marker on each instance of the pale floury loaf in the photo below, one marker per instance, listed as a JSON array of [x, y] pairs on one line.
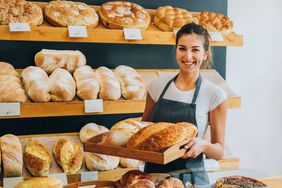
[[62, 85], [12, 156], [132, 83], [11, 87], [95, 161], [91, 129], [49, 60], [86, 82], [109, 84], [37, 84]]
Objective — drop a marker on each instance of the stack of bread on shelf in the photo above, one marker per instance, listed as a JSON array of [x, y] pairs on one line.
[[112, 14], [60, 75]]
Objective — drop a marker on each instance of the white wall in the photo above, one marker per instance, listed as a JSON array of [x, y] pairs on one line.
[[254, 71]]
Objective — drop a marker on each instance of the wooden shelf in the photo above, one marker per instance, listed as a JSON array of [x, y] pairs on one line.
[[112, 175], [76, 108], [101, 34]]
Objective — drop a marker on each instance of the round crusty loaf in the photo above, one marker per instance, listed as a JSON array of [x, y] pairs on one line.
[[12, 156], [91, 129], [132, 83], [168, 18], [37, 158], [66, 13], [159, 136], [170, 183], [40, 182], [136, 179], [95, 161], [122, 14], [68, 155]]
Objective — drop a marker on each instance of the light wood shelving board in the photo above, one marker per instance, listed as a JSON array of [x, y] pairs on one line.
[[101, 34], [76, 107]]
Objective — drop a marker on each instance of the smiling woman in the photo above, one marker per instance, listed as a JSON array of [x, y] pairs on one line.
[[187, 97]]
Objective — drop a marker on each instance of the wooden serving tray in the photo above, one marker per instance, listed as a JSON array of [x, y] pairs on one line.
[[170, 154], [108, 184]]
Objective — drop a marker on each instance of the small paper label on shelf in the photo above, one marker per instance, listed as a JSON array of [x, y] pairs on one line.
[[11, 182], [77, 32], [89, 176], [216, 36], [132, 34], [212, 165], [10, 109], [87, 186], [95, 105], [18, 27], [60, 176]]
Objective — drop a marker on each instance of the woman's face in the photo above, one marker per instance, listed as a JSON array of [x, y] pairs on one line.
[[190, 53]]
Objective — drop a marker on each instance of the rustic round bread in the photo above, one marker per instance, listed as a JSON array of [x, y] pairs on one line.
[[238, 182], [122, 14], [91, 129], [65, 13], [214, 21], [168, 18], [159, 136], [12, 11], [170, 183]]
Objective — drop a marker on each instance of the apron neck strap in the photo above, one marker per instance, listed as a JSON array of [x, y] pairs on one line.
[[198, 85]]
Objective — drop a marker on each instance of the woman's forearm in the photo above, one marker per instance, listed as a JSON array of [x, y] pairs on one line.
[[214, 151]]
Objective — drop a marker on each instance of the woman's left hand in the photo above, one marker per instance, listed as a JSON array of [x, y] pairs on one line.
[[195, 147]]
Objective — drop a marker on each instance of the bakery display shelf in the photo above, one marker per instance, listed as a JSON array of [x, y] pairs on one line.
[[48, 140], [101, 34], [76, 107]]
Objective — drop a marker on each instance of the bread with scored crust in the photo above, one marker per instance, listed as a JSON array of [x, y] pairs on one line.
[[159, 136]]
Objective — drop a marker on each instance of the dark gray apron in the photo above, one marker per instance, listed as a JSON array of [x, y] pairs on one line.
[[190, 169]]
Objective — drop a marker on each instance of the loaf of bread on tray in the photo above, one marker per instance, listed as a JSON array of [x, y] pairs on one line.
[[91, 129], [159, 136]]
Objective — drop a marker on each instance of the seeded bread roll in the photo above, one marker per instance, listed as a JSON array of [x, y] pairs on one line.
[[37, 159], [12, 156], [159, 136]]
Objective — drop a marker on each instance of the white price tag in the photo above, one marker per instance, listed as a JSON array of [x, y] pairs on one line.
[[89, 176], [77, 32], [87, 186], [132, 34], [216, 36], [60, 176], [17, 27], [212, 165], [175, 31], [11, 182], [10, 109], [95, 105]]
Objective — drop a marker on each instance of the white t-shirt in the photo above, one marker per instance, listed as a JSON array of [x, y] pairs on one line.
[[209, 97]]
